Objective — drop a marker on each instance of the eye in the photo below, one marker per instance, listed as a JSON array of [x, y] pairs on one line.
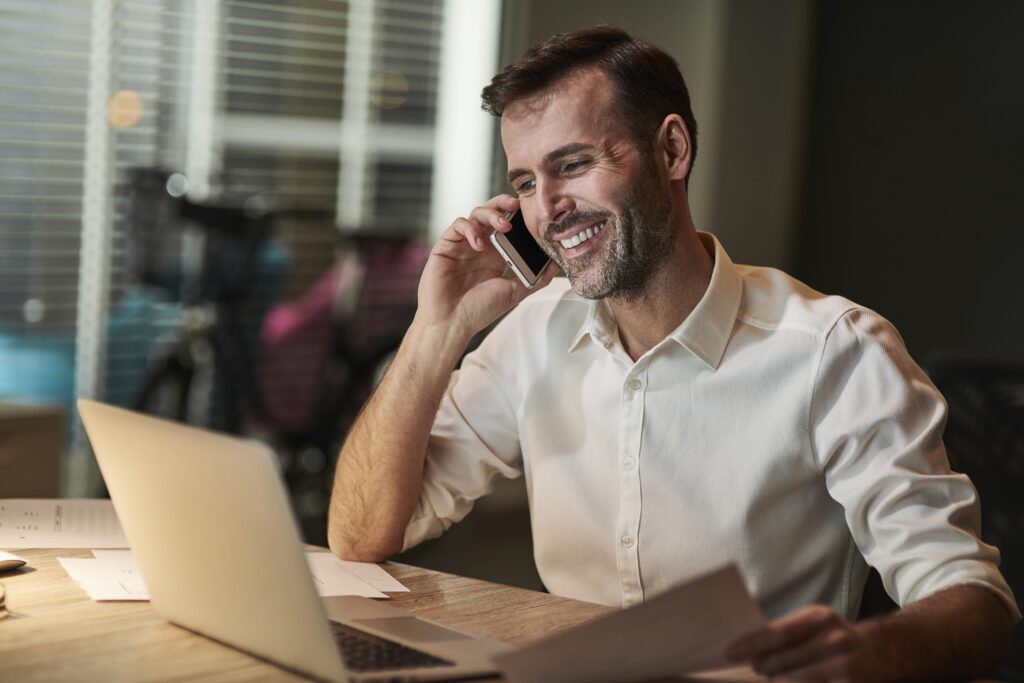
[[574, 166], [524, 186]]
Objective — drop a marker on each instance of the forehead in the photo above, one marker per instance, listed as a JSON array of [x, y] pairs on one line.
[[578, 108]]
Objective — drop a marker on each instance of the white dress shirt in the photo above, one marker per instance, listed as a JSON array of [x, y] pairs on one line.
[[776, 428]]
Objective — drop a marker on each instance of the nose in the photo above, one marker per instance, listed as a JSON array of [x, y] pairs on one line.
[[554, 204]]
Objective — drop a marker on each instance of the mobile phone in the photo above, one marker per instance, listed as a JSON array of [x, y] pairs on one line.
[[520, 251]]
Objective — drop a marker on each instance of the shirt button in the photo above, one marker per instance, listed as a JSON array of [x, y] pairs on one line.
[[628, 463], [635, 384], [627, 541]]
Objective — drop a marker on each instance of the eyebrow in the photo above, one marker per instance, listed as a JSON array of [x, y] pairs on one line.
[[554, 155]]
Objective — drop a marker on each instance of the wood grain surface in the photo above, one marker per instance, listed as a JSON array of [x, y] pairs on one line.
[[57, 633]]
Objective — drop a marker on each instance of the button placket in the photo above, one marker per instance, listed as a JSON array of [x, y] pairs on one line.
[[630, 502]]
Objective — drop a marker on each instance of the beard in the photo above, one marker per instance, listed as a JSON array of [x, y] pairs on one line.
[[640, 242]]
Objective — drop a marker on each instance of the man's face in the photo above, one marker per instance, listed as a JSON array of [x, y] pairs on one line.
[[595, 202]]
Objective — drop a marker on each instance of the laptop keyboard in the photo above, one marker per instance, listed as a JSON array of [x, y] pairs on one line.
[[363, 652]]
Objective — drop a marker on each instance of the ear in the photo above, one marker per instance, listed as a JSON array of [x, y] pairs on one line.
[[673, 146]]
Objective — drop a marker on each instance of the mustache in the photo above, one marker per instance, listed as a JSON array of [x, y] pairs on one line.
[[574, 219]]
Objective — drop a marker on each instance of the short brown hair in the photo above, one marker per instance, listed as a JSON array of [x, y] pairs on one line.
[[647, 81]]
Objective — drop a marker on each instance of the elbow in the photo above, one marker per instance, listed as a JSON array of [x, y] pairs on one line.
[[363, 532], [361, 547], [361, 552]]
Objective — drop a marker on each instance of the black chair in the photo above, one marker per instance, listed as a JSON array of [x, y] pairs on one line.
[[985, 438]]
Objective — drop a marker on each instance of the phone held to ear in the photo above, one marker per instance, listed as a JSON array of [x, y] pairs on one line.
[[520, 251]]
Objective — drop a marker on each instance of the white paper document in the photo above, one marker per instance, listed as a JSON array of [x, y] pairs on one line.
[[684, 630], [113, 575], [106, 579], [372, 574], [59, 523], [331, 578]]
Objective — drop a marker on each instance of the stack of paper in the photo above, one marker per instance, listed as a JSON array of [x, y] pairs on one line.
[[59, 523], [113, 575]]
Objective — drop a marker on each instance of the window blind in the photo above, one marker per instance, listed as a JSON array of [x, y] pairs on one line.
[[325, 109]]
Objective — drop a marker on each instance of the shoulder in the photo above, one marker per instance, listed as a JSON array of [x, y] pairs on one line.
[[775, 301]]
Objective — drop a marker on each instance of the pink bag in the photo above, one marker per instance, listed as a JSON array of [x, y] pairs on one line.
[[366, 300], [296, 339]]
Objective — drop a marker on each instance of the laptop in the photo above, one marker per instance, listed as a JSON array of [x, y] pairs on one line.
[[209, 524]]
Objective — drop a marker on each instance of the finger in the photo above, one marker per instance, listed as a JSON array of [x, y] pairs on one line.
[[492, 212], [490, 218], [834, 643], [786, 632], [503, 202], [465, 230], [476, 229]]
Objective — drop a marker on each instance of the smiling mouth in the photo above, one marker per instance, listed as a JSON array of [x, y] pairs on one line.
[[582, 236]]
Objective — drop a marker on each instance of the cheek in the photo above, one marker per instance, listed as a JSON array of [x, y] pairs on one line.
[[592, 193], [526, 205], [596, 193]]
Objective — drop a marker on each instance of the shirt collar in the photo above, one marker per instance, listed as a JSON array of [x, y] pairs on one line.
[[599, 325], [705, 332]]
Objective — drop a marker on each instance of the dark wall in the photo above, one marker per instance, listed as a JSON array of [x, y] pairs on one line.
[[914, 193]]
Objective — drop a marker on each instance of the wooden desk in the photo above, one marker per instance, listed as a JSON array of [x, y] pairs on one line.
[[57, 633]]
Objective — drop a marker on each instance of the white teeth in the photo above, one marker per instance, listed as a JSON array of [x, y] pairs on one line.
[[582, 236]]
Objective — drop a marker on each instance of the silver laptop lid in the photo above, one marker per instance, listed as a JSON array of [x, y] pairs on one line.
[[206, 550]]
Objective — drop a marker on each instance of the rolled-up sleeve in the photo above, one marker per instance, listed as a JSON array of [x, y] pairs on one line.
[[876, 424], [474, 440]]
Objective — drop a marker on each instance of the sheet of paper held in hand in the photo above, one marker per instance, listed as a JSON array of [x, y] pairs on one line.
[[682, 631], [59, 523]]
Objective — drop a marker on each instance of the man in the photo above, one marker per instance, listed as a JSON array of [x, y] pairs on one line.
[[672, 412]]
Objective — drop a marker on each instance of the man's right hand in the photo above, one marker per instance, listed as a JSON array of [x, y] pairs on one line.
[[462, 288], [379, 474]]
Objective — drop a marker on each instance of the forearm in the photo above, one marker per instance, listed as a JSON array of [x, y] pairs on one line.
[[379, 473], [380, 469], [960, 632]]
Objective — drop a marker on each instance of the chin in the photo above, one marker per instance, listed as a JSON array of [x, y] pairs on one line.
[[587, 290]]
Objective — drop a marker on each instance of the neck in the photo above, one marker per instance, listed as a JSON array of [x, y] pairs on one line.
[[668, 298]]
